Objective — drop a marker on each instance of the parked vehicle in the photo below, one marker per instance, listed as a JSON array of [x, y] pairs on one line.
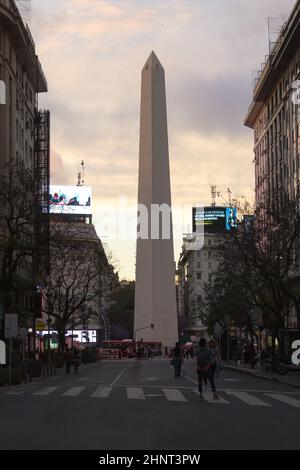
[[278, 363]]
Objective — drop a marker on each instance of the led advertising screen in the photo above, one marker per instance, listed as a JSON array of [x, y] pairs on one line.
[[214, 219], [70, 200]]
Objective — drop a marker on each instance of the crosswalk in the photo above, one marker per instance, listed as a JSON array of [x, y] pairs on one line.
[[169, 394]]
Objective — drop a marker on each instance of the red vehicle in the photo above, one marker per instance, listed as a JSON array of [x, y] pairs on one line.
[[128, 347]]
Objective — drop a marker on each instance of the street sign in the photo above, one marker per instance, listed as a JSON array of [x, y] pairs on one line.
[[2, 353], [11, 325], [40, 324]]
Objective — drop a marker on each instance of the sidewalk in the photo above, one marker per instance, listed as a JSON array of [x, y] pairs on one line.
[[292, 378], [59, 373]]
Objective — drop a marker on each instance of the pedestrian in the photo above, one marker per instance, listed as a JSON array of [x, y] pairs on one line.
[[76, 361], [204, 361], [68, 361], [215, 359], [177, 360], [166, 352]]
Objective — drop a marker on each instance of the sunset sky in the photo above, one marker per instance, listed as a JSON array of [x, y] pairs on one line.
[[93, 51]]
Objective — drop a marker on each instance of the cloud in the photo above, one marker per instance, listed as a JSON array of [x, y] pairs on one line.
[[92, 52]]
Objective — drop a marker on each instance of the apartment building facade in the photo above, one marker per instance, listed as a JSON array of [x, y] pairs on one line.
[[195, 270], [24, 79], [24, 139], [274, 116]]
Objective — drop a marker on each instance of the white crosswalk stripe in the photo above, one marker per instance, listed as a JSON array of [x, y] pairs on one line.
[[45, 391], [247, 398], [73, 392], [102, 392], [285, 399], [209, 398], [134, 393], [172, 394]]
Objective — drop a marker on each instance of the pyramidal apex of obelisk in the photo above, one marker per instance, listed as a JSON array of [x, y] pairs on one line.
[[155, 296]]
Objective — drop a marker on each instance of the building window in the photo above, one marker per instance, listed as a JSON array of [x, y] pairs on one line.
[[199, 276]]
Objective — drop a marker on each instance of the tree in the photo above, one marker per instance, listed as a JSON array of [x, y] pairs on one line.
[[20, 254], [73, 287], [259, 269]]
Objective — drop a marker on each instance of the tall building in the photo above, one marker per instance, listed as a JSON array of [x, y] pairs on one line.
[[24, 79], [275, 118], [274, 115], [24, 143], [155, 297]]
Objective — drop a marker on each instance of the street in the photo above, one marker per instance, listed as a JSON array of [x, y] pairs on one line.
[[131, 405]]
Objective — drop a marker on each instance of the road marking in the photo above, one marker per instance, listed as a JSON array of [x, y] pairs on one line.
[[102, 392], [172, 394], [134, 393], [285, 399], [16, 393], [154, 395], [232, 380], [209, 398], [247, 398], [73, 392], [119, 376], [191, 380], [45, 391]]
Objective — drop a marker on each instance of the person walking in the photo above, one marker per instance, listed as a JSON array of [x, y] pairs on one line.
[[215, 359], [205, 359], [177, 360], [76, 361]]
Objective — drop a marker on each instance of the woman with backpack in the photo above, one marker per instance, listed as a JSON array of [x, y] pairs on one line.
[[205, 361]]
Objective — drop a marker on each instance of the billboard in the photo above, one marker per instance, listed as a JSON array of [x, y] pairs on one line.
[[70, 200], [214, 219]]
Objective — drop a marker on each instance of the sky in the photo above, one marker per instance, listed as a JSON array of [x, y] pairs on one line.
[[92, 52]]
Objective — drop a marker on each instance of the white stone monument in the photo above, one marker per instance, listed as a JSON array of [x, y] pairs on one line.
[[155, 296]]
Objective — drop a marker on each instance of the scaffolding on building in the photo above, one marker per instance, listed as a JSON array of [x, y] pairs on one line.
[[42, 183]]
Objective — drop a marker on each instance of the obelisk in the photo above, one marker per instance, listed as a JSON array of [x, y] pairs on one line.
[[155, 295]]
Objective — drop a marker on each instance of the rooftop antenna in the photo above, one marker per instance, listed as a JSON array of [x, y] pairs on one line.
[[81, 174], [213, 189], [24, 7], [229, 192]]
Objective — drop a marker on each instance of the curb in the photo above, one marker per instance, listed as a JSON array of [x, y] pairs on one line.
[[260, 376]]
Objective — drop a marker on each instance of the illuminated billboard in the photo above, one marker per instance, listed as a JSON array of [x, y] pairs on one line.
[[214, 219], [73, 200]]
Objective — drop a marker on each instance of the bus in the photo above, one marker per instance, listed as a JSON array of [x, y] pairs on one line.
[[127, 348]]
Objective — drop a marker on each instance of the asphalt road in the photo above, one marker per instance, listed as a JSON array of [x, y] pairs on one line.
[[139, 405]]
